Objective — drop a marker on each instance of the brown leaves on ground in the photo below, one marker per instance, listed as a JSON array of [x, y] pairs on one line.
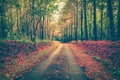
[[93, 69], [106, 53], [17, 57]]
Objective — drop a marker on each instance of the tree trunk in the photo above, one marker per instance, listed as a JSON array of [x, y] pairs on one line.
[[95, 27], [110, 14], [76, 24], [3, 33], [33, 26], [71, 30], [101, 28], [81, 14], [85, 20], [118, 22], [42, 29]]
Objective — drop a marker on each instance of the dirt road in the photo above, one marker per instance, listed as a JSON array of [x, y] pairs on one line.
[[60, 65]]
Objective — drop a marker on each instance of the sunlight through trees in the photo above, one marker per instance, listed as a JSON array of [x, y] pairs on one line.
[[64, 20]]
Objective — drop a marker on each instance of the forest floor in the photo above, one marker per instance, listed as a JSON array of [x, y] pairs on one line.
[[89, 60], [17, 57], [101, 59]]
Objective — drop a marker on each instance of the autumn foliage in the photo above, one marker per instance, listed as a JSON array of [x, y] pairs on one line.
[[100, 59], [17, 57]]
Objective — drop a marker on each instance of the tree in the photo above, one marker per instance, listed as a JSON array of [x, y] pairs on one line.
[[110, 14], [81, 15], [85, 20], [76, 19], [3, 19], [95, 27], [3, 33], [118, 22], [101, 29]]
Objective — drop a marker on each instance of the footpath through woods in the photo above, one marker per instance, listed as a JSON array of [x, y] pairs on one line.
[[81, 61], [89, 60], [60, 65]]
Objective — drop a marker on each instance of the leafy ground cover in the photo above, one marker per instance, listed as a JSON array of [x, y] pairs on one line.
[[18, 57], [102, 57]]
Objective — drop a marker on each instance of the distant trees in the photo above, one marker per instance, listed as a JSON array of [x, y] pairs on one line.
[[21, 20], [4, 4], [81, 20], [97, 19]]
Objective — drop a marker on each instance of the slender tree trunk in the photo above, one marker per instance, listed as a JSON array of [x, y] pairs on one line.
[[11, 20], [90, 24], [42, 29], [81, 14], [95, 27], [71, 30], [76, 24], [17, 20], [85, 20], [118, 22], [3, 33], [101, 28], [33, 24], [47, 23], [110, 14]]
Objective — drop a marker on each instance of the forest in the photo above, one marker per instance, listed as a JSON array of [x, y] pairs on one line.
[[32, 30], [78, 20]]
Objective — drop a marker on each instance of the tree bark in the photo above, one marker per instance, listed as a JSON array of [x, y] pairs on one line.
[[101, 28], [85, 20], [110, 14], [3, 33], [81, 14], [118, 22], [76, 24], [95, 27]]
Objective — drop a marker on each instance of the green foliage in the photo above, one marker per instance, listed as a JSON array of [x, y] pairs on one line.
[[97, 58], [116, 74], [14, 2], [104, 62], [56, 38], [20, 16]]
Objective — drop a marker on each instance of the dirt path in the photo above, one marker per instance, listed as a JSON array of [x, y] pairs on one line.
[[60, 65]]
